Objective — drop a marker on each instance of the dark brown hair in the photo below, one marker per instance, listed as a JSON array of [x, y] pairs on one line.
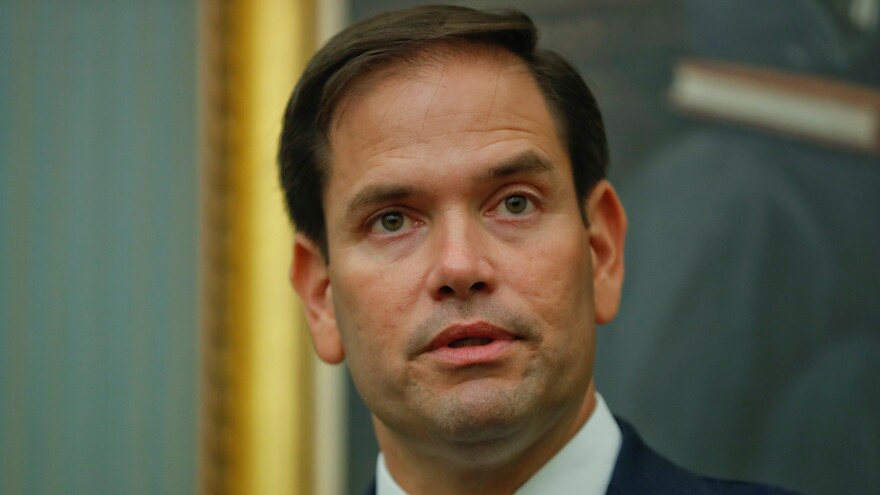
[[366, 46]]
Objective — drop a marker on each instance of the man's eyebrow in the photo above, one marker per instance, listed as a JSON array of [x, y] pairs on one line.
[[382, 193], [378, 194], [528, 161]]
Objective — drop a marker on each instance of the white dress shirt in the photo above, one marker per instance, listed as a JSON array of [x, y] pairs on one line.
[[583, 466]]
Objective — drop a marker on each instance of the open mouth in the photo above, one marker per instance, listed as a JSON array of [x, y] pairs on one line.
[[477, 334], [470, 342]]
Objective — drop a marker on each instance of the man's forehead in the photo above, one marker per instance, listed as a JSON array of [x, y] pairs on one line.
[[430, 72], [450, 111]]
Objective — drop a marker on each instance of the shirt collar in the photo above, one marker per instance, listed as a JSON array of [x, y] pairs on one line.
[[584, 465]]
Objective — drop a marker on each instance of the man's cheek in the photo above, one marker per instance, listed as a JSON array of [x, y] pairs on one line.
[[551, 282]]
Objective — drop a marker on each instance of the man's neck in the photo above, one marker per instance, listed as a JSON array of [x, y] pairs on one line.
[[462, 470]]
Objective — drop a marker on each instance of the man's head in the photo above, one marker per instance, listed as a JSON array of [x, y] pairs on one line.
[[466, 244]]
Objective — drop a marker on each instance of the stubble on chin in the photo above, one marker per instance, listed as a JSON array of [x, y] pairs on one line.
[[476, 412]]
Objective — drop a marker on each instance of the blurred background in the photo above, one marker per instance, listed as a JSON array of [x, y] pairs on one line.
[[98, 202], [149, 342]]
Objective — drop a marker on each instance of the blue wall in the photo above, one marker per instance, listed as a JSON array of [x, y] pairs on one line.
[[97, 247]]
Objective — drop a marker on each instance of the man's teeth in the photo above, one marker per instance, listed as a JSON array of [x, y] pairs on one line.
[[473, 341]]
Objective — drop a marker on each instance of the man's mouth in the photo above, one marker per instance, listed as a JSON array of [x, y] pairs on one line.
[[472, 334], [470, 343]]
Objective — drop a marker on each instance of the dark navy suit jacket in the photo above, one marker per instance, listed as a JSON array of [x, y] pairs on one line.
[[641, 471]]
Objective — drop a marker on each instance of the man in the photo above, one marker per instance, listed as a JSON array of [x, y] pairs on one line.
[[457, 245]]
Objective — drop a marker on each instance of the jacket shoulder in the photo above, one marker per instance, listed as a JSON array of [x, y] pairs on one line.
[[641, 470]]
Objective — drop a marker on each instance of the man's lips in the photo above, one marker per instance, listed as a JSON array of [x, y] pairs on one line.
[[464, 335], [470, 343]]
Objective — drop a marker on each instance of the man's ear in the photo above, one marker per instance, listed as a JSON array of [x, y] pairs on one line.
[[311, 280], [607, 234]]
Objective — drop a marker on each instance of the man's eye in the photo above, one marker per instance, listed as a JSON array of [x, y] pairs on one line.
[[517, 204], [389, 222]]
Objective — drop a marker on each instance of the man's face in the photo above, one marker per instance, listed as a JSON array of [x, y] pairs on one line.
[[460, 287]]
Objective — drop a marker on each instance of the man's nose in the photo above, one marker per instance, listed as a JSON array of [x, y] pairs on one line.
[[462, 267]]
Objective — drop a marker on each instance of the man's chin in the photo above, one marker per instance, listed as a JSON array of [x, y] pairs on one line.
[[480, 411]]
